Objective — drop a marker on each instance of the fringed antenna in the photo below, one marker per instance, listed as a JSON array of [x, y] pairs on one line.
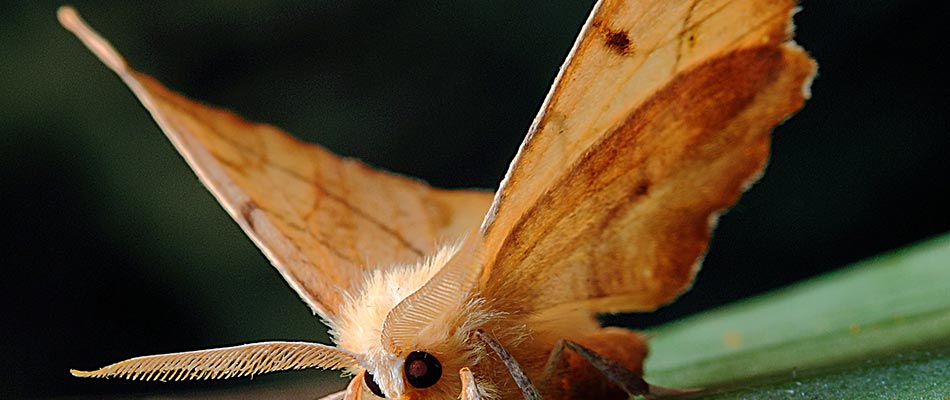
[[228, 362], [445, 292]]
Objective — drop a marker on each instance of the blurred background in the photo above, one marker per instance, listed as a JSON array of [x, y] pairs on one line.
[[112, 248]]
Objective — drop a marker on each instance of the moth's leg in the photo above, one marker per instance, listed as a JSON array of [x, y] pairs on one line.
[[521, 379], [334, 396], [469, 388], [353, 391], [570, 374], [576, 367], [630, 382]]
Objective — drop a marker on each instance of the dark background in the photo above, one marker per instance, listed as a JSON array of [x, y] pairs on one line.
[[112, 248]]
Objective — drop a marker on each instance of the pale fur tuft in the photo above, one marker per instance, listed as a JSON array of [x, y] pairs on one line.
[[360, 321], [359, 326]]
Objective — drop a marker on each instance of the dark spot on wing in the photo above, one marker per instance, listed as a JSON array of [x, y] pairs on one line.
[[642, 188], [619, 42]]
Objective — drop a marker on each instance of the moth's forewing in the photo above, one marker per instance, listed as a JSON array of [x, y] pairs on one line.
[[659, 120], [321, 219]]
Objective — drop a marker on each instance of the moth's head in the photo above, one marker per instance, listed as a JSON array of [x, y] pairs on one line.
[[416, 375], [411, 327]]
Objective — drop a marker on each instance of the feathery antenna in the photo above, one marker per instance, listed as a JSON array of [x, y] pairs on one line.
[[227, 362], [443, 293]]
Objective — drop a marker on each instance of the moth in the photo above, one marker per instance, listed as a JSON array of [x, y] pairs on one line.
[[656, 123]]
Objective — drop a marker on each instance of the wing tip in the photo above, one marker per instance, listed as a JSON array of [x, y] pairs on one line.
[[69, 18]]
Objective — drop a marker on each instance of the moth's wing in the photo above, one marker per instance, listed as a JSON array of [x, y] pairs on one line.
[[320, 219], [656, 123]]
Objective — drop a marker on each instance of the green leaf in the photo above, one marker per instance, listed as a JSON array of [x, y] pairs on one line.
[[858, 324], [909, 375]]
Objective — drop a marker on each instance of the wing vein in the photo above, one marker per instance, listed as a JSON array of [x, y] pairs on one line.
[[296, 175]]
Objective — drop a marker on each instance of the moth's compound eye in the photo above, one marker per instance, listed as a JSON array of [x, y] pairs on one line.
[[372, 385], [422, 369]]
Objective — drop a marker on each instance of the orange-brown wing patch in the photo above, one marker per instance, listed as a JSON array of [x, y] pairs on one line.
[[657, 122], [320, 219], [573, 377]]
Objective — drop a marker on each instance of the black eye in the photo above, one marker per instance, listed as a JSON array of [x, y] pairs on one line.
[[372, 385], [422, 369]]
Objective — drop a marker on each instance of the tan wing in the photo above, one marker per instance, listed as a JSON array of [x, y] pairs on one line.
[[319, 218], [657, 122]]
